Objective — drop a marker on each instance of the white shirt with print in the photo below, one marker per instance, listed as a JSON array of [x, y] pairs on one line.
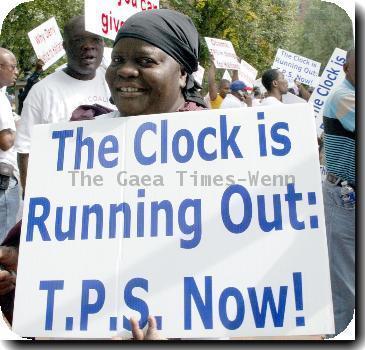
[[53, 100]]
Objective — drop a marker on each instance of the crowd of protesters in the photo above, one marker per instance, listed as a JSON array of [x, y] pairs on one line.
[[83, 90]]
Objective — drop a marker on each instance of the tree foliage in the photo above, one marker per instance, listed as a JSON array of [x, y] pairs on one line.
[[26, 17], [325, 27], [255, 28]]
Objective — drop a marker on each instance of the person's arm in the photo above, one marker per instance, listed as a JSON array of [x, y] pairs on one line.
[[7, 137], [33, 79], [213, 90], [235, 75], [32, 114], [23, 169]]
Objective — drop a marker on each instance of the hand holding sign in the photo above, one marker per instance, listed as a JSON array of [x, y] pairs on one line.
[[8, 263], [9, 257], [39, 65], [151, 333], [7, 282]]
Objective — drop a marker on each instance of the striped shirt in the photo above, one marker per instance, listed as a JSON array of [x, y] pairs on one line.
[[339, 132]]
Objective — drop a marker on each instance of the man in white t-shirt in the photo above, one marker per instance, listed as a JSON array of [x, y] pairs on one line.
[[9, 190], [276, 86], [238, 96], [54, 98]]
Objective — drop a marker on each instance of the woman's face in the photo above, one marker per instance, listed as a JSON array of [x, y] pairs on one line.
[[144, 79]]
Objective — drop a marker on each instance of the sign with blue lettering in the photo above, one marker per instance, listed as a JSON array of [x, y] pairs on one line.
[[211, 221], [296, 67], [332, 76]]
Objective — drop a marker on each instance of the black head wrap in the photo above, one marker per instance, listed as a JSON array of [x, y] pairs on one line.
[[173, 33]]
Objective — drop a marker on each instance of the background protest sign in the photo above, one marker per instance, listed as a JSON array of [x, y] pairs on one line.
[[331, 77], [107, 57], [106, 17], [214, 226], [223, 53], [227, 76], [199, 75], [47, 42], [296, 67], [247, 73], [290, 98]]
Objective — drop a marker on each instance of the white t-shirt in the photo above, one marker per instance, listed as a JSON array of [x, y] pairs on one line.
[[231, 101], [256, 102], [7, 122], [114, 114], [53, 100], [268, 101]]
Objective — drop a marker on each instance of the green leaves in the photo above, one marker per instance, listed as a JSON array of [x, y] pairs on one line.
[[26, 17], [257, 28], [324, 27]]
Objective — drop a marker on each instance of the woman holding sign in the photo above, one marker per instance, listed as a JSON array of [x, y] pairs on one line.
[[154, 56]]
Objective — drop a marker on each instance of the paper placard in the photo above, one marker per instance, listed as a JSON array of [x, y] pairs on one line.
[[247, 73], [47, 42], [212, 221], [199, 75], [227, 76], [331, 77], [223, 53], [107, 57], [106, 17], [296, 67], [290, 98]]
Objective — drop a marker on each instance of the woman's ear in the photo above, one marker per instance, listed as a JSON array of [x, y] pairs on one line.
[[183, 77]]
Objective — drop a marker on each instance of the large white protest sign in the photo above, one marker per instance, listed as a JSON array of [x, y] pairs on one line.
[[296, 67], [223, 53], [247, 73], [106, 17], [212, 221], [332, 75], [47, 41]]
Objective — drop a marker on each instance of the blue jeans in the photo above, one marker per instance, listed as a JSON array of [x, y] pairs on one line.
[[9, 206], [340, 227]]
